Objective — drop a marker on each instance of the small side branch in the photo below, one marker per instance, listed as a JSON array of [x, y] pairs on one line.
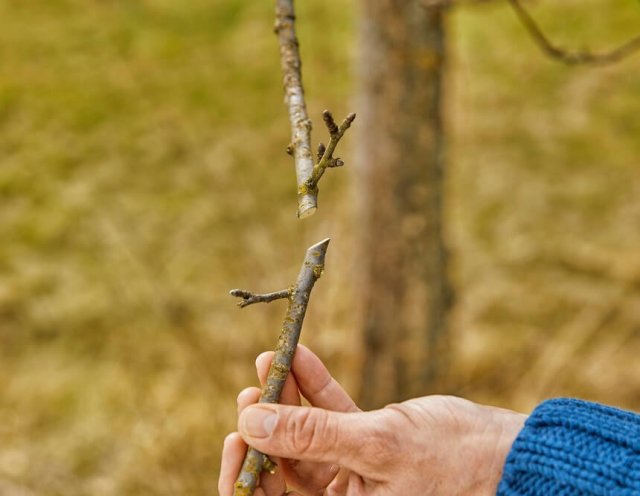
[[571, 57], [325, 154], [312, 266], [249, 298]]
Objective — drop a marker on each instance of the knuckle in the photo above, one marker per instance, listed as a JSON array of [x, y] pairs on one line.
[[306, 429], [382, 443]]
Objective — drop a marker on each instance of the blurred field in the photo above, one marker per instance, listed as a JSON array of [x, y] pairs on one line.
[[142, 176]]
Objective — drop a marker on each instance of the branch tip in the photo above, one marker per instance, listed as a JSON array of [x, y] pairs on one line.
[[330, 123]]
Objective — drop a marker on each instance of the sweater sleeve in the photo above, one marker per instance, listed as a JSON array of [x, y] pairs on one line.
[[572, 447]]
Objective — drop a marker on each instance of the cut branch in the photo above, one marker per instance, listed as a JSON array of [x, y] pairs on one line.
[[249, 298], [307, 174], [255, 462]]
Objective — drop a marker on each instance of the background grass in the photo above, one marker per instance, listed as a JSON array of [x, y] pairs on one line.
[[142, 176]]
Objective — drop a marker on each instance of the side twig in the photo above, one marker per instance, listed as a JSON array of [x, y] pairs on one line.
[[325, 154], [307, 173], [255, 462], [571, 57], [249, 298]]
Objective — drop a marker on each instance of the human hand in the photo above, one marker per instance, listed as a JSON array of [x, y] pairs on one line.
[[433, 445], [311, 379]]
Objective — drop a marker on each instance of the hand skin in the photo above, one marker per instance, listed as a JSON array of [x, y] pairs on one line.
[[434, 445]]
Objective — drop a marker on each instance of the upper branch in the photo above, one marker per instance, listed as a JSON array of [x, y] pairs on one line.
[[307, 174], [294, 98]]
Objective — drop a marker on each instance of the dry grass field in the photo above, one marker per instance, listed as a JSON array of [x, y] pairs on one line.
[[142, 176]]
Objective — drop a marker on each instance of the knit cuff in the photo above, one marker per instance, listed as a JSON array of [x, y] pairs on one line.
[[572, 447]]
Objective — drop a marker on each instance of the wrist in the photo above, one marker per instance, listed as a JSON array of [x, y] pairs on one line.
[[502, 432]]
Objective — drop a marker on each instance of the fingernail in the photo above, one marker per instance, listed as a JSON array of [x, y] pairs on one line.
[[259, 422]]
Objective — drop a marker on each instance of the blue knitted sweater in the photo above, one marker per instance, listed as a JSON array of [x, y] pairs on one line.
[[572, 447]]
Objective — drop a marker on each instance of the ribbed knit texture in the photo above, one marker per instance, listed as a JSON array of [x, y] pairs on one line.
[[572, 447]]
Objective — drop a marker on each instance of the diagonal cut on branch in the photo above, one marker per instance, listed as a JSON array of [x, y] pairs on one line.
[[307, 173], [249, 298], [312, 267]]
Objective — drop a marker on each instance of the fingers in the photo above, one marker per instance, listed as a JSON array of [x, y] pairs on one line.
[[290, 395], [353, 440], [233, 452], [247, 397], [317, 385], [313, 380]]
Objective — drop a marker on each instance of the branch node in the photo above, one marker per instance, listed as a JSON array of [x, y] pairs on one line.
[[269, 465], [290, 149], [326, 160]]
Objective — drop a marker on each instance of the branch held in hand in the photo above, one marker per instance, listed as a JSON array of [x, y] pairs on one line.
[[255, 462], [307, 173]]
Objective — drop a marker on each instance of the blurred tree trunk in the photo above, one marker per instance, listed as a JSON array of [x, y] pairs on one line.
[[401, 162]]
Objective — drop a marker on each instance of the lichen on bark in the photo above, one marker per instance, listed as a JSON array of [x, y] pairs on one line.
[[298, 298]]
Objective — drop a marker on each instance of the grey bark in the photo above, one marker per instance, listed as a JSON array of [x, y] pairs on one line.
[[298, 296]]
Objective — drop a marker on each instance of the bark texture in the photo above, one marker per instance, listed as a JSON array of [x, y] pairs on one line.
[[401, 178], [312, 267], [294, 99]]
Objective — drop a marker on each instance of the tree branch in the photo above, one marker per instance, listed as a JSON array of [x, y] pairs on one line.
[[307, 174], [566, 56], [249, 298], [325, 154], [452, 3], [310, 272], [569, 57]]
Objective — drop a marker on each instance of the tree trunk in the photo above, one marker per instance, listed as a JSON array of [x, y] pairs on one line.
[[400, 168]]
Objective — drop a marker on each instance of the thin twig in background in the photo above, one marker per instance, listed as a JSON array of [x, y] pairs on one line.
[[312, 266], [571, 57], [307, 173]]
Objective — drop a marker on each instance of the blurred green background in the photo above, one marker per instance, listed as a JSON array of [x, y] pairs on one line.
[[142, 176]]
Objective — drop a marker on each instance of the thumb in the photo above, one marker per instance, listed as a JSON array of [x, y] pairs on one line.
[[353, 440]]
